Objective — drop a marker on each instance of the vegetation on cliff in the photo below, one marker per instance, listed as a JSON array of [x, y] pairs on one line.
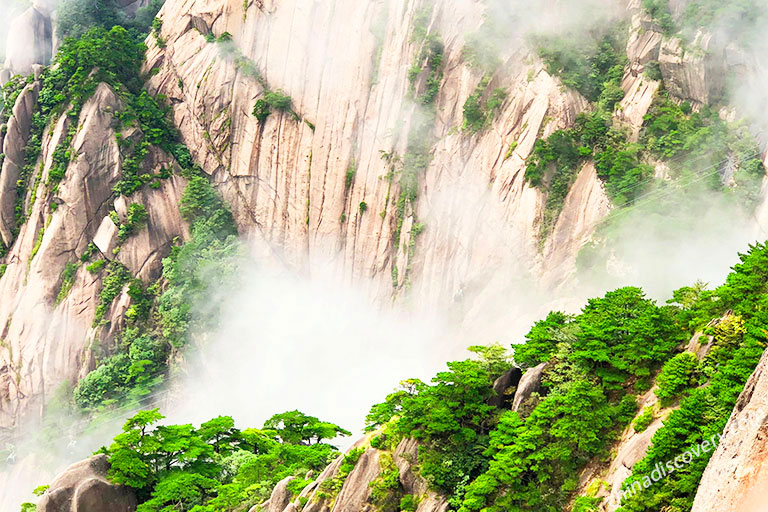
[[160, 315], [490, 458], [689, 142], [217, 467], [597, 363]]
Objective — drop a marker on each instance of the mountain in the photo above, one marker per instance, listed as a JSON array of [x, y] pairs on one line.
[[475, 160]]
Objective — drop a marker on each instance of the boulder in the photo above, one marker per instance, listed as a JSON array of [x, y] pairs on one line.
[[30, 42], [697, 74], [528, 385], [501, 387], [279, 500], [106, 237], [83, 487]]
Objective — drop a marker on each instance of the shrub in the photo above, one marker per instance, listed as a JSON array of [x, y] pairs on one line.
[[677, 375], [272, 100], [112, 285], [585, 65], [67, 280], [96, 266], [409, 503], [643, 420], [653, 70], [349, 177], [624, 334], [136, 218]]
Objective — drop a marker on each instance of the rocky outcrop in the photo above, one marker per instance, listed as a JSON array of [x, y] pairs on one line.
[[49, 335], [696, 74], [30, 41], [355, 493], [585, 205], [14, 144], [528, 385], [737, 474], [279, 500], [505, 386], [84, 487]]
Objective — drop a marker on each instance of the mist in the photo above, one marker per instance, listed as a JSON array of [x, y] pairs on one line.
[[289, 342]]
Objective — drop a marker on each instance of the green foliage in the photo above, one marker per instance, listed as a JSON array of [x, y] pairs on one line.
[[409, 503], [617, 162], [670, 130], [704, 412], [624, 334], [9, 93], [136, 218], [213, 467], [535, 463], [428, 66], [349, 177], [157, 27], [156, 326], [92, 390], [295, 427], [363, 207], [586, 504], [482, 105], [541, 342], [491, 460], [99, 55], [450, 417], [67, 280], [585, 65], [386, 488], [117, 277], [653, 70], [209, 257], [676, 376], [38, 243], [659, 11], [75, 17], [330, 488], [643, 420], [272, 101], [96, 266]]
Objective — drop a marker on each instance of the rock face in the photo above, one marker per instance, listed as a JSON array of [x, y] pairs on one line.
[[279, 500], [286, 178], [83, 487], [737, 474], [505, 384]]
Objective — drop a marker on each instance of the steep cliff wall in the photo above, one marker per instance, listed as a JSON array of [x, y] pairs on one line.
[[737, 475], [287, 178]]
